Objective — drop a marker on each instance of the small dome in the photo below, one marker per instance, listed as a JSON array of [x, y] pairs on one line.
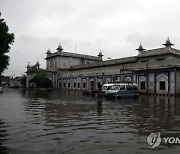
[[168, 43], [59, 48], [28, 66], [37, 63], [140, 48], [48, 51], [100, 54]]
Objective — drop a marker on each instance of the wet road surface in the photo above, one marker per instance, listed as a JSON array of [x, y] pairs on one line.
[[72, 123]]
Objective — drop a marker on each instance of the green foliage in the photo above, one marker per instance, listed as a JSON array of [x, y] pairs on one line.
[[41, 80], [6, 39]]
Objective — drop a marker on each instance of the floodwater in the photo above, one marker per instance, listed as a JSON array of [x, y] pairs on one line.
[[71, 123]]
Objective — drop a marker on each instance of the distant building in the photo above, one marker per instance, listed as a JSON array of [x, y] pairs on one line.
[[5, 80], [156, 71]]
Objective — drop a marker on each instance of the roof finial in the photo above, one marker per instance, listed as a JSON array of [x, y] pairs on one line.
[[28, 65], [48, 51], [168, 43], [100, 55], [37, 64], [140, 49], [59, 48]]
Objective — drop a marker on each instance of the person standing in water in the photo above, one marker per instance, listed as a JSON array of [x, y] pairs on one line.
[[99, 94], [99, 99]]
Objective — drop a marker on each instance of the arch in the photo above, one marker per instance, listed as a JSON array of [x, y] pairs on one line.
[[91, 79], [162, 77], [50, 79], [142, 78], [84, 83], [142, 83], [108, 80], [162, 83], [128, 79], [74, 83], [118, 79]]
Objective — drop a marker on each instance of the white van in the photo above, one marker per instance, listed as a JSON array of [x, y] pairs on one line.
[[124, 90], [106, 87]]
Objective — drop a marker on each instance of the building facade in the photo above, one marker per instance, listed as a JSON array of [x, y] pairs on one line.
[[156, 71]]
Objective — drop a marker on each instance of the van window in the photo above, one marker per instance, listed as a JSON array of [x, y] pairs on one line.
[[128, 87], [122, 87], [115, 87], [109, 87], [162, 85]]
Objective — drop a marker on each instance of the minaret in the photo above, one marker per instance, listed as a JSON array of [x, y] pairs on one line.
[[140, 49], [59, 48], [168, 44], [100, 55]]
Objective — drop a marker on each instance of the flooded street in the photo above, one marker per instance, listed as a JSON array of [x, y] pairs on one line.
[[72, 123]]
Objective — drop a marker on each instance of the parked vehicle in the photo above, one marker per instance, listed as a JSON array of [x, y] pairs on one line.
[[106, 87], [124, 90], [1, 89], [14, 86]]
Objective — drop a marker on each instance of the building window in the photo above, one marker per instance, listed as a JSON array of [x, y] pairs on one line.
[[162, 85], [68, 84], [78, 85], [64, 85], [74, 85], [84, 85], [60, 85], [143, 83]]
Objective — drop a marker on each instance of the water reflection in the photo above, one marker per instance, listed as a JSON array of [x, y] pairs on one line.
[[3, 135], [70, 122], [99, 108]]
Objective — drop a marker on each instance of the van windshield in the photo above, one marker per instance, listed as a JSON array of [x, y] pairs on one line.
[[116, 87]]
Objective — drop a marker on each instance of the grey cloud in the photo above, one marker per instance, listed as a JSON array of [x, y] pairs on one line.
[[114, 26]]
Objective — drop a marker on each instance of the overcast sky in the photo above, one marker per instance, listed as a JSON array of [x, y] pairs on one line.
[[116, 27]]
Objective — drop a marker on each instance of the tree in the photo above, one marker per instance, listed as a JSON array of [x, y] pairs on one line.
[[6, 39], [41, 80]]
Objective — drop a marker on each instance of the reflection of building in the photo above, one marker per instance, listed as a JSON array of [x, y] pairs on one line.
[[155, 71]]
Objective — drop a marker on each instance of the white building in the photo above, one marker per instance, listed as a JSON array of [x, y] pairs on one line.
[[64, 60], [156, 71]]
